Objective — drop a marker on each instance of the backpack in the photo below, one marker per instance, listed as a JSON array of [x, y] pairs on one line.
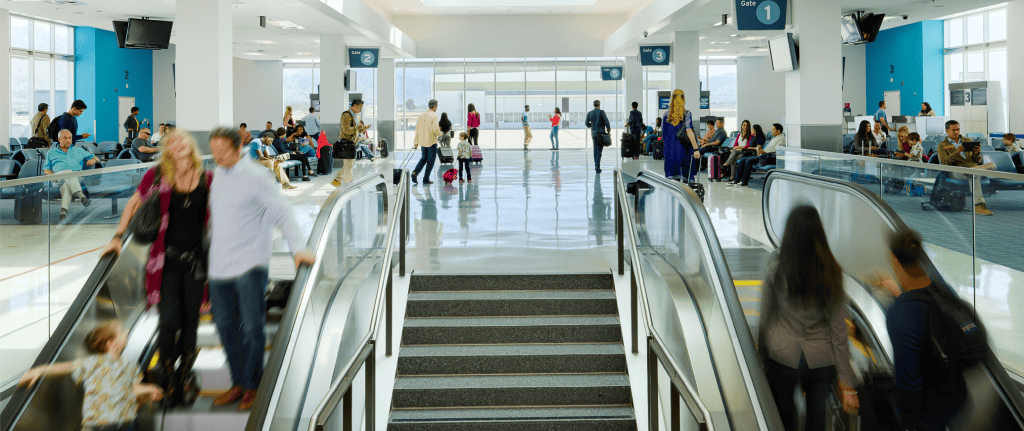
[[54, 130], [946, 199], [451, 175], [958, 340]]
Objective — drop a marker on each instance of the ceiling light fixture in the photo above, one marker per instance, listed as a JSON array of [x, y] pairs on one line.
[[754, 38], [254, 53], [713, 50], [720, 43], [265, 42], [305, 53], [286, 25]]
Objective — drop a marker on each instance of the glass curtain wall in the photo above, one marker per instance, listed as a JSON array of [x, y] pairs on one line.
[[300, 80], [656, 78], [42, 58], [976, 51], [572, 93], [540, 95], [418, 78], [480, 83]]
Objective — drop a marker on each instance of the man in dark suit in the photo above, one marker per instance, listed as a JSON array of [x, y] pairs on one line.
[[598, 123], [635, 123]]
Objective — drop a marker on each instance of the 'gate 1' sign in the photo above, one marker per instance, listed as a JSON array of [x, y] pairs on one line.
[[363, 57], [655, 55], [611, 73], [753, 15]]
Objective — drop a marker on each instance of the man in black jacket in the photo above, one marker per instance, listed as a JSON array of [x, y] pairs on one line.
[[635, 123], [132, 125], [69, 121], [598, 123]]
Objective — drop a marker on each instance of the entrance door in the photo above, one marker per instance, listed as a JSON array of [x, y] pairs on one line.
[[892, 103], [124, 109]]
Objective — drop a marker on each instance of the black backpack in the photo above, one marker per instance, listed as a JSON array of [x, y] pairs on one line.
[[958, 339], [54, 130]]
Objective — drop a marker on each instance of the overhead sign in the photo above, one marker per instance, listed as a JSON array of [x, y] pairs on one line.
[[979, 96], [363, 57], [753, 15], [655, 55], [956, 97], [705, 100], [611, 73], [664, 102]]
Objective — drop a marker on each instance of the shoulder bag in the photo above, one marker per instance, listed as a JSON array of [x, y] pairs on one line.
[[147, 217], [681, 135]]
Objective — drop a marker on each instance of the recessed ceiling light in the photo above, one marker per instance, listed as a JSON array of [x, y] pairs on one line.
[[286, 25], [305, 53], [755, 38], [702, 38], [713, 50], [720, 43], [254, 53], [265, 42], [761, 50], [737, 35]]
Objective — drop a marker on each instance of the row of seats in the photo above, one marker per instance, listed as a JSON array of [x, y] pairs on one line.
[[113, 186], [1005, 162]]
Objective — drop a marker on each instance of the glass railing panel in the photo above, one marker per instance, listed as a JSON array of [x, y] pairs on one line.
[[797, 161]]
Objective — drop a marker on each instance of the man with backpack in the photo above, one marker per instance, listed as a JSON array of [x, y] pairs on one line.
[[39, 124], [68, 121], [929, 371]]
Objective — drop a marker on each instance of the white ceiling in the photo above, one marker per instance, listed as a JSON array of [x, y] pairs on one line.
[[509, 7]]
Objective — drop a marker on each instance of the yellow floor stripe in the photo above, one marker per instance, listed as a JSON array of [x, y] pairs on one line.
[[750, 312], [746, 282], [749, 299]]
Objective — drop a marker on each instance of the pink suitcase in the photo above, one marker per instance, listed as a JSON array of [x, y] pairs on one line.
[[715, 168], [476, 156]]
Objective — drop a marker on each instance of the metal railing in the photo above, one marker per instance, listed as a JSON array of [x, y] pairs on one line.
[[341, 390], [624, 226]]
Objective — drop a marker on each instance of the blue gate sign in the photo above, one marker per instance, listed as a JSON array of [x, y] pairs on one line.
[[705, 100], [611, 73], [363, 57], [655, 55], [754, 15]]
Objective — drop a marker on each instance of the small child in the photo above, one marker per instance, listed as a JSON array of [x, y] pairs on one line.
[[465, 156], [1010, 143], [113, 388], [916, 150]]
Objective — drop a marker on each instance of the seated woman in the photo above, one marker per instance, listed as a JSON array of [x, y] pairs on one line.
[[742, 142], [864, 142], [296, 138], [902, 144]]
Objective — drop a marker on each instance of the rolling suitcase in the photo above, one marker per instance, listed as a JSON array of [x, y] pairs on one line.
[[628, 146], [659, 149], [715, 168], [325, 161], [476, 156], [383, 143], [28, 207], [696, 186], [445, 154]]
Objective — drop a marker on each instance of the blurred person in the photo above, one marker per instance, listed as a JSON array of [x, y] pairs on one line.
[[802, 334], [288, 122], [597, 122], [244, 210], [680, 143], [957, 150], [1010, 143], [141, 148], [244, 133], [527, 135], [64, 159], [160, 132], [177, 265], [427, 132]]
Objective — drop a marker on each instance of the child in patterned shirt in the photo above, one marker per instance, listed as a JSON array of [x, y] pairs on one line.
[[113, 388], [465, 156], [916, 150], [1010, 143]]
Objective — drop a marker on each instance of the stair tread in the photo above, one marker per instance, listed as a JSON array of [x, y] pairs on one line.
[[511, 350], [511, 381], [500, 414], [473, 282], [511, 295], [429, 322]]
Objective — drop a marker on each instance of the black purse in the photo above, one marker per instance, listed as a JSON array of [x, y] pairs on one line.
[[147, 219], [345, 149], [681, 135]]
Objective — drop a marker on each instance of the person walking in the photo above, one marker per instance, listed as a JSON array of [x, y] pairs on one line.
[[597, 122], [473, 123], [556, 120], [803, 334], [132, 125], [465, 156], [69, 121], [527, 135], [40, 123], [446, 129], [678, 139], [312, 122], [635, 123], [177, 265], [350, 131], [245, 206], [427, 132]]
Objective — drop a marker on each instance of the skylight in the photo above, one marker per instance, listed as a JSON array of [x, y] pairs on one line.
[[506, 3]]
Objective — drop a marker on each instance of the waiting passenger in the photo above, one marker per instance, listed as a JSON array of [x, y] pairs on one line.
[[160, 133], [743, 141], [270, 128], [766, 156], [960, 151], [312, 124], [365, 144], [926, 395], [926, 110], [881, 135], [65, 158], [142, 149], [258, 152], [288, 122], [864, 142], [297, 138], [246, 136], [1010, 143], [709, 134], [717, 140], [113, 386], [916, 153], [802, 335]]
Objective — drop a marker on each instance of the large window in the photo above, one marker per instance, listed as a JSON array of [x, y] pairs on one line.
[[42, 62], [300, 80], [721, 84], [976, 51]]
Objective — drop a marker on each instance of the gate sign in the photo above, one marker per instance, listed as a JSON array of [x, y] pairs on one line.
[[664, 102], [655, 55], [753, 15], [705, 100], [611, 73], [363, 57]]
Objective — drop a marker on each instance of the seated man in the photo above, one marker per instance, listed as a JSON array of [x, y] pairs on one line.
[[259, 153], [954, 152], [142, 148], [282, 148], [766, 156], [65, 158], [648, 144], [717, 139]]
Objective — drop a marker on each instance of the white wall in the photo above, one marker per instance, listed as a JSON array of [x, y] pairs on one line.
[[761, 93], [259, 93], [164, 108], [509, 36], [855, 87], [5, 76]]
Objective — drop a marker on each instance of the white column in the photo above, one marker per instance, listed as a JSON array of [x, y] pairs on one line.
[[686, 66], [634, 77], [1015, 63], [814, 93], [386, 99], [205, 93], [333, 96], [5, 77]]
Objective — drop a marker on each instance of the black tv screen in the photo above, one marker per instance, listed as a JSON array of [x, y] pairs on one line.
[[869, 27], [148, 34], [120, 28]]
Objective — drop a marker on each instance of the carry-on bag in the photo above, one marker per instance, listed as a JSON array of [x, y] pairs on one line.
[[325, 161], [345, 149], [28, 207], [628, 146], [696, 186], [659, 149], [383, 144], [714, 168], [476, 156], [397, 172], [445, 154]]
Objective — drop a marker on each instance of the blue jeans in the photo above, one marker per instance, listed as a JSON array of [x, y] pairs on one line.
[[554, 137], [427, 156], [366, 150], [598, 149], [240, 312]]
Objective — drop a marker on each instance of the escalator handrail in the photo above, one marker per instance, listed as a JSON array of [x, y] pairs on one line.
[[343, 381], [1007, 386], [689, 392], [757, 388], [302, 289]]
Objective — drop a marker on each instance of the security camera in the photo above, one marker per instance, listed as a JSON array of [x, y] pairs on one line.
[[645, 33], [906, 16]]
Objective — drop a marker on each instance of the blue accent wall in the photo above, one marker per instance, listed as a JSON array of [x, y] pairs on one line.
[[908, 59], [100, 78]]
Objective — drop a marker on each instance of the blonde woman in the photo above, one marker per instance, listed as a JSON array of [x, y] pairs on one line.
[[175, 271], [288, 121], [679, 141]]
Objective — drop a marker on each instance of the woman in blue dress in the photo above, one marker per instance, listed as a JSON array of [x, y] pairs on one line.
[[679, 157]]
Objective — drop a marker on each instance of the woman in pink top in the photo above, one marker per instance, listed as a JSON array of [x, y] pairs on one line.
[[556, 120], [473, 122], [742, 142]]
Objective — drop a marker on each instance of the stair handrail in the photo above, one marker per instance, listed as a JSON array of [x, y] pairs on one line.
[[625, 226], [341, 389]]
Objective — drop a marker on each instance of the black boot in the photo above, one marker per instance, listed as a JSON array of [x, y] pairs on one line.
[[171, 385], [186, 379]]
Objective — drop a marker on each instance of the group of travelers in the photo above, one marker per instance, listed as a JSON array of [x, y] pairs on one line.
[[750, 147]]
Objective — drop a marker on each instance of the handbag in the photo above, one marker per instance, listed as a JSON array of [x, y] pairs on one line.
[[147, 219], [606, 139], [345, 149]]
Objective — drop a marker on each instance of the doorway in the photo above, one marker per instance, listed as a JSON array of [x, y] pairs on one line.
[[124, 109], [892, 103]]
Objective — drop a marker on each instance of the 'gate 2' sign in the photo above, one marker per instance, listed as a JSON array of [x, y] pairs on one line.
[[760, 15], [363, 57]]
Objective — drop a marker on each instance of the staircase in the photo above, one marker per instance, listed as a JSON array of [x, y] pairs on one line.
[[512, 352]]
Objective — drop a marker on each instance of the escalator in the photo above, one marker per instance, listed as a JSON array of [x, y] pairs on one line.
[[694, 312], [347, 239]]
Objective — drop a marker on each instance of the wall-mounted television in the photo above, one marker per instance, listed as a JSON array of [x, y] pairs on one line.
[[148, 34], [858, 28], [783, 52], [120, 28], [850, 30]]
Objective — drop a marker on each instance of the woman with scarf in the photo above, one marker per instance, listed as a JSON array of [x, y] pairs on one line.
[[679, 141]]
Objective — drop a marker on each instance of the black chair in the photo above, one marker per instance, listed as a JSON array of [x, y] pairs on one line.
[[22, 156], [1018, 160]]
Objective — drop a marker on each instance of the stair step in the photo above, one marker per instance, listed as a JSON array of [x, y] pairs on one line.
[[514, 419], [509, 330], [203, 415], [511, 303], [512, 390], [449, 282], [511, 359]]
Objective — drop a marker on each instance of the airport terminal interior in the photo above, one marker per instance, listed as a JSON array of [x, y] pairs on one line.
[[516, 215]]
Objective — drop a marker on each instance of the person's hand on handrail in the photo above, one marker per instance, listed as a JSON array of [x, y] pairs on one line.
[[304, 257]]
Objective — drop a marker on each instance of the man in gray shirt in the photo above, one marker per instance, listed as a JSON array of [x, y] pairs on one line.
[[312, 125], [142, 148], [717, 140]]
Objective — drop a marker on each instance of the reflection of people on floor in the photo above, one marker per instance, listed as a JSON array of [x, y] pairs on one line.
[[469, 198], [600, 212], [428, 229], [556, 177], [64, 159]]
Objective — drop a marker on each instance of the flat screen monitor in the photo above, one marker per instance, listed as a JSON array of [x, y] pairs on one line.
[[870, 26], [850, 30], [120, 28], [783, 51], [148, 34]]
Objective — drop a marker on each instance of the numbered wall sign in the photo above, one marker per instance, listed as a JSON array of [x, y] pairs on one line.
[[655, 55], [363, 57], [611, 73], [752, 15]]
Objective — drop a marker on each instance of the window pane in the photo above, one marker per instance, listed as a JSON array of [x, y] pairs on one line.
[[956, 67], [975, 66], [480, 92], [997, 26], [298, 83], [448, 90], [61, 39], [722, 84], [62, 87], [419, 85], [511, 88], [540, 90], [997, 72], [605, 92], [976, 29], [572, 90], [41, 36], [42, 83], [21, 97], [658, 78], [956, 33], [19, 33]]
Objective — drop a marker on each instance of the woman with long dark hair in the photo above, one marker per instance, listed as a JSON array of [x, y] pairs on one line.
[[743, 141], [926, 110], [446, 128], [864, 142], [473, 123], [759, 138], [802, 334]]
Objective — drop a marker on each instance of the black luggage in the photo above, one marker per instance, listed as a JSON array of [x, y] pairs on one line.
[[383, 144], [28, 207], [659, 149], [345, 149], [445, 154], [629, 146], [696, 186], [325, 162]]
